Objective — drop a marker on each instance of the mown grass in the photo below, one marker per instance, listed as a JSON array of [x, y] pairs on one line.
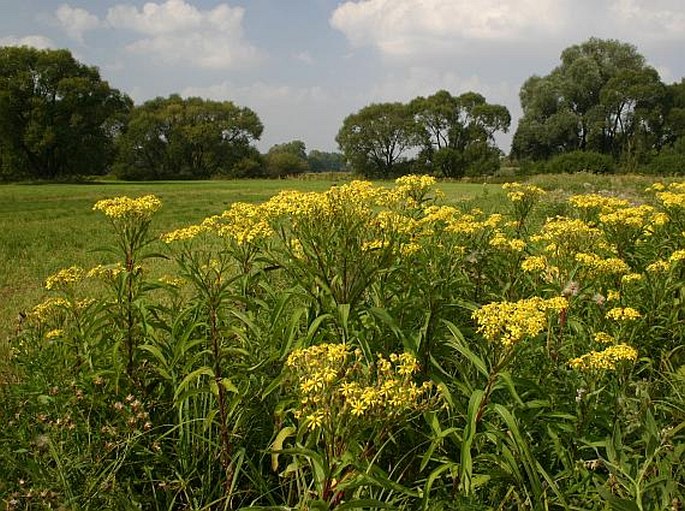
[[50, 226]]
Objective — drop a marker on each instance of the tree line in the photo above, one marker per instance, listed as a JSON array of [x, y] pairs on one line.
[[602, 107]]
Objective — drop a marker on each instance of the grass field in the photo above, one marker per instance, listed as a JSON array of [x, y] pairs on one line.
[[50, 226]]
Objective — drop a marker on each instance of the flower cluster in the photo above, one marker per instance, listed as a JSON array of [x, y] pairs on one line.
[[597, 266], [507, 323], [605, 360], [562, 236], [124, 207], [414, 189], [45, 310], [334, 384], [596, 202], [517, 192], [184, 234], [109, 271], [500, 242], [623, 314], [242, 222], [65, 278]]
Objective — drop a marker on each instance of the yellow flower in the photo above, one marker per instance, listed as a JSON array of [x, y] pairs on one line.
[[534, 264], [109, 271], [509, 322], [593, 201], [597, 266], [630, 278], [517, 192], [65, 277], [357, 407], [604, 338], [606, 360], [315, 420], [672, 200], [613, 295], [54, 334], [623, 314], [184, 234], [43, 310], [128, 208], [501, 242], [658, 267]]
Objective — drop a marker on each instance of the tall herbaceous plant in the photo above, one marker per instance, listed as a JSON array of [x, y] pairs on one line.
[[366, 347]]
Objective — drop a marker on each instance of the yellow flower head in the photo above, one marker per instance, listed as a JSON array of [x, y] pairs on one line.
[[623, 314], [518, 192], [127, 208], [507, 323], [65, 277], [606, 360], [184, 234]]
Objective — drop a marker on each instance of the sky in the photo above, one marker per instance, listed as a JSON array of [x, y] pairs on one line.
[[304, 65]]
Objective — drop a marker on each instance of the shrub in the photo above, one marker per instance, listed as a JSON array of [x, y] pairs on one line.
[[580, 161], [667, 163]]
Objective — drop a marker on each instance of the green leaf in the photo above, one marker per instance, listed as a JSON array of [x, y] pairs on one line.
[[466, 467], [364, 504], [425, 503], [192, 378], [458, 343], [277, 444]]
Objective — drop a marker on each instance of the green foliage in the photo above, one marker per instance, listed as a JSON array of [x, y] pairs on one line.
[[192, 138], [580, 161], [453, 136], [321, 161], [602, 97], [288, 159], [377, 139], [458, 133], [362, 347], [58, 118]]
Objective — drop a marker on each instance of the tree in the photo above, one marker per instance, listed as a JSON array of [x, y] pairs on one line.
[[58, 118], [192, 138], [322, 161], [377, 139], [287, 159], [457, 133], [602, 97]]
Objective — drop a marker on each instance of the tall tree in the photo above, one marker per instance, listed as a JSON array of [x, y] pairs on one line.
[[458, 132], [377, 139], [287, 159], [58, 118], [602, 97], [191, 138], [322, 161]]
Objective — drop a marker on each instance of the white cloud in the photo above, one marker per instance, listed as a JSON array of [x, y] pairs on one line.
[[653, 19], [304, 56], [76, 21], [312, 113], [177, 31], [407, 27], [35, 41], [259, 92]]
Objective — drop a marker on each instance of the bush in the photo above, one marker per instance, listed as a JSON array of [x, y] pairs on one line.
[[580, 161], [670, 161]]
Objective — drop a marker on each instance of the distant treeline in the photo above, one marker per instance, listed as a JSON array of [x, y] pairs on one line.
[[602, 109]]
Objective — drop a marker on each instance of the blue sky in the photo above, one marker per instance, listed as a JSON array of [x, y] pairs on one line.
[[303, 65]]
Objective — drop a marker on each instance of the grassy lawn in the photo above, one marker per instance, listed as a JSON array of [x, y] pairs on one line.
[[51, 226]]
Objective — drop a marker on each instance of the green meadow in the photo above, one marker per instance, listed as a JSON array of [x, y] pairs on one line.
[[47, 227], [408, 345]]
